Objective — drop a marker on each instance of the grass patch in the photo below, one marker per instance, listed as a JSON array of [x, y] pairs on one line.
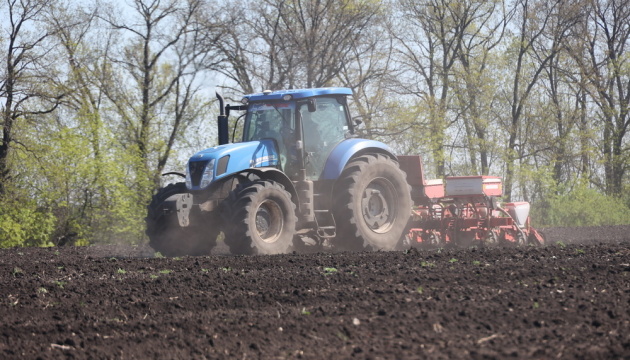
[[17, 272]]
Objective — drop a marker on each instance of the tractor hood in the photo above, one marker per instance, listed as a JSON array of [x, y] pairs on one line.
[[218, 162]]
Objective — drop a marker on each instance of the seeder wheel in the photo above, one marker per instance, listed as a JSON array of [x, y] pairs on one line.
[[493, 238], [536, 237]]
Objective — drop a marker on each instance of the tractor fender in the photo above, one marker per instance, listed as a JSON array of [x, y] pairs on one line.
[[273, 174], [348, 150]]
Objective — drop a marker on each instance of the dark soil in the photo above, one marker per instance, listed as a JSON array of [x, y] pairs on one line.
[[570, 299]]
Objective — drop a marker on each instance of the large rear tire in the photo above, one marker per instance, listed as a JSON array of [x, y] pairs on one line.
[[168, 237], [262, 219], [372, 204]]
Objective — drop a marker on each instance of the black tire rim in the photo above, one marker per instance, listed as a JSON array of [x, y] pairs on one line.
[[378, 205]]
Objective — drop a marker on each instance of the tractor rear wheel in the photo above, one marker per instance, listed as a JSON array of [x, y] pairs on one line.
[[167, 236], [372, 204], [262, 219]]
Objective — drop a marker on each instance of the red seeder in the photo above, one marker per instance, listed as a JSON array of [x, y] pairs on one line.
[[464, 210]]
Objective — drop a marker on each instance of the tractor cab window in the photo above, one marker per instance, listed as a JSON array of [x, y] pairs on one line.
[[272, 120], [268, 120], [323, 129]]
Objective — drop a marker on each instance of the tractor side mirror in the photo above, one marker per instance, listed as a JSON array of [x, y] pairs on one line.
[[312, 105]]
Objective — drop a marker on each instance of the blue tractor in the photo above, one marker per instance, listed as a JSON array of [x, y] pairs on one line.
[[299, 179]]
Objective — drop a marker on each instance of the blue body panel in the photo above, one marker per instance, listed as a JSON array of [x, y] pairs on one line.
[[252, 154], [298, 93], [346, 149]]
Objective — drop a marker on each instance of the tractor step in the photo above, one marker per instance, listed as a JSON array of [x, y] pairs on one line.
[[326, 227]]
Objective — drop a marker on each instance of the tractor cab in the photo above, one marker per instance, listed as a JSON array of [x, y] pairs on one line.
[[305, 125]]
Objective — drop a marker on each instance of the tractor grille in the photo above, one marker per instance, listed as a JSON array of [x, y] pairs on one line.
[[196, 171]]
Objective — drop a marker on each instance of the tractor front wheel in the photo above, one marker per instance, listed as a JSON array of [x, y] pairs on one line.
[[262, 219], [372, 204], [165, 233]]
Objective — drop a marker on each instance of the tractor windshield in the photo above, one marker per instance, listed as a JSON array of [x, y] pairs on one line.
[[268, 120], [273, 120]]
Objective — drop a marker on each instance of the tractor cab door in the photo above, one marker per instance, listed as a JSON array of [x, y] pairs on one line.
[[273, 121], [322, 130]]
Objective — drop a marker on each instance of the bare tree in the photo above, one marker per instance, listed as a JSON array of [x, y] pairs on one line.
[[484, 31], [601, 50], [532, 56], [25, 89], [292, 43], [369, 72], [561, 84], [72, 28], [430, 41], [156, 73]]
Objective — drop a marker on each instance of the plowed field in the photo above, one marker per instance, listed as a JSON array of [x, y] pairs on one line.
[[570, 300]]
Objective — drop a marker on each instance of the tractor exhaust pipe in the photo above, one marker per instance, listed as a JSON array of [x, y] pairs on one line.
[[222, 122]]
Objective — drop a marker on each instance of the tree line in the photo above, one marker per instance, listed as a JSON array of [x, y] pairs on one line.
[[99, 99]]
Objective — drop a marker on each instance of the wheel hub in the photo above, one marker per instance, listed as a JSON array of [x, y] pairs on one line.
[[269, 221], [377, 205]]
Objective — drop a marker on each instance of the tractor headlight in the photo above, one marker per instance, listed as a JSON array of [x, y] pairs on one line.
[[208, 174]]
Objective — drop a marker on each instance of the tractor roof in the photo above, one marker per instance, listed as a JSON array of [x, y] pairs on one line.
[[296, 93]]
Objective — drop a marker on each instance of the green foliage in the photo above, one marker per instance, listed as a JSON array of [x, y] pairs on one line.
[[73, 191], [22, 223], [582, 206], [17, 272], [536, 305]]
